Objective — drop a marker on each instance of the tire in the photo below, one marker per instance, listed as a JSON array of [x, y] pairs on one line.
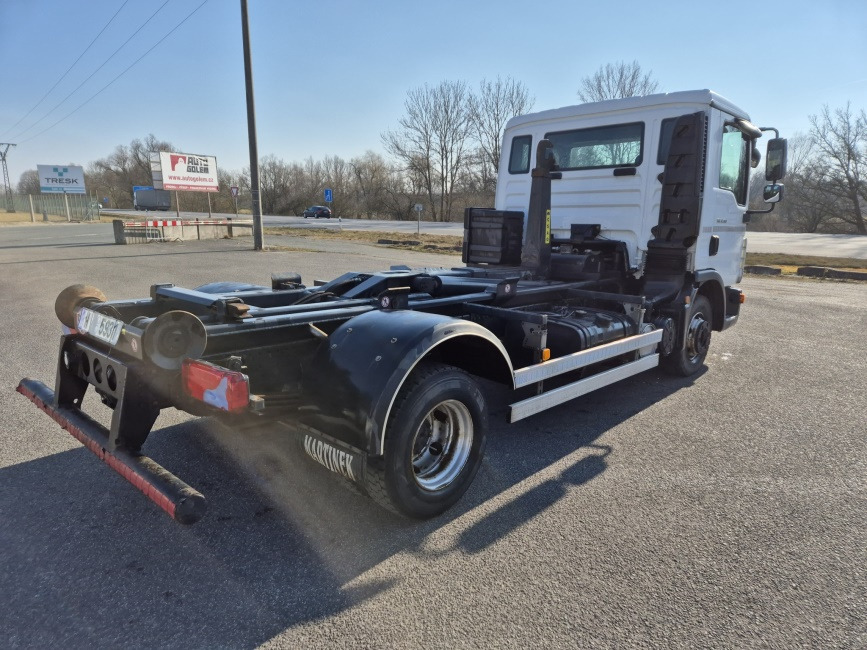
[[434, 443], [687, 361]]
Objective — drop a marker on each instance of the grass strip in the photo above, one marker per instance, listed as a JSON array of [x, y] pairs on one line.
[[425, 243], [790, 263]]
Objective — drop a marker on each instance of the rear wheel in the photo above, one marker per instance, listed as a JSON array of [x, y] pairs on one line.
[[434, 443], [687, 361]]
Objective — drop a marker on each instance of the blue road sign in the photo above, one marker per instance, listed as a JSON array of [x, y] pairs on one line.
[[136, 188], [329, 197]]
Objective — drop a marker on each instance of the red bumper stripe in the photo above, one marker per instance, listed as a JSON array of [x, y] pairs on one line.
[[141, 471]]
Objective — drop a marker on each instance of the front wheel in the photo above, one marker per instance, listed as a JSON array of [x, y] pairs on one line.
[[687, 361], [434, 443]]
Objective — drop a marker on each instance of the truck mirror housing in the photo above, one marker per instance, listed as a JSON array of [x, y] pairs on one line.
[[775, 165], [755, 157], [773, 193]]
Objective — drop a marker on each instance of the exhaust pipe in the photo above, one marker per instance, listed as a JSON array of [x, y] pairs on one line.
[[183, 503]]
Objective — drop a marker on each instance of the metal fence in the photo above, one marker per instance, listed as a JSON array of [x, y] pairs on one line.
[[57, 207]]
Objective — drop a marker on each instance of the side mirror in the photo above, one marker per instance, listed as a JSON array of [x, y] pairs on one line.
[[775, 165], [773, 193]]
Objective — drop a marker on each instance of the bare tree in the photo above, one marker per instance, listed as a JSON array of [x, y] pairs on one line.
[[493, 106], [401, 191], [614, 81], [29, 182], [808, 206], [840, 141], [371, 173], [432, 140], [126, 167], [274, 184]]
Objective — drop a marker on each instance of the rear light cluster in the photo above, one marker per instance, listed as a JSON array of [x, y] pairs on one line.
[[228, 390]]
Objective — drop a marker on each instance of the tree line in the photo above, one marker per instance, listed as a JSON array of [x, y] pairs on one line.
[[444, 154]]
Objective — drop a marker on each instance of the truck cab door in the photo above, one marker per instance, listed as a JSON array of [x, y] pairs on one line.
[[720, 245]]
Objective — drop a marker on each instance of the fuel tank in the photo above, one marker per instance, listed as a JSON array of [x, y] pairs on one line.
[[572, 329]]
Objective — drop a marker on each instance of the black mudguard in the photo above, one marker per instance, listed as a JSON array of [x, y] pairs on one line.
[[357, 373]]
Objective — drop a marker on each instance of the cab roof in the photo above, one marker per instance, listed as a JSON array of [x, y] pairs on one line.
[[695, 97]]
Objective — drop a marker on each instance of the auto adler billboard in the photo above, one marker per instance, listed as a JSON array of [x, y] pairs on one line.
[[188, 171], [61, 179]]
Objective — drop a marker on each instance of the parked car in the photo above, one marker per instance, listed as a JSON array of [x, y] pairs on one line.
[[318, 211]]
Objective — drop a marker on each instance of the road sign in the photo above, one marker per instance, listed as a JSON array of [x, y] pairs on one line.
[[328, 196], [137, 188], [419, 207], [234, 190]]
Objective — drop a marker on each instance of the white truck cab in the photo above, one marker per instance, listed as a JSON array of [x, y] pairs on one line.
[[611, 157]]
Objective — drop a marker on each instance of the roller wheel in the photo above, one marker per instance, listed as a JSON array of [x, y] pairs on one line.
[[73, 298]]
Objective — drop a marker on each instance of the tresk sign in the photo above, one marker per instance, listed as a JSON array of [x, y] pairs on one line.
[[61, 179], [184, 171]]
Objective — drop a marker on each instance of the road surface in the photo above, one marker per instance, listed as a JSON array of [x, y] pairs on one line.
[[722, 511]]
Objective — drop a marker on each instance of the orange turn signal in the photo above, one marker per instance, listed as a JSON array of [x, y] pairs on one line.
[[546, 354]]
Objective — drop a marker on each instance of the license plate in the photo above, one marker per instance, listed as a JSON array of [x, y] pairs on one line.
[[100, 326]]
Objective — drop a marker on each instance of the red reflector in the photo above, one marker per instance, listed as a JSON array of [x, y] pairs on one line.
[[224, 389]]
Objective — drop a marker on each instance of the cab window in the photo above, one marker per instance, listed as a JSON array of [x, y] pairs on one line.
[[665, 132], [616, 145], [734, 164], [519, 158]]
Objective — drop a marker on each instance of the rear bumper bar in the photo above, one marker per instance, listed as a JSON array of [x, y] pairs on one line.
[[182, 503]]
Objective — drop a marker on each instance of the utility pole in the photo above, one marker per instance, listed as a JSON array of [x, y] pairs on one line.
[[251, 133], [4, 148]]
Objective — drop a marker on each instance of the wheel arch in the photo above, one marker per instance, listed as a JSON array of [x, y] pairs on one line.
[[469, 351], [711, 286], [366, 361]]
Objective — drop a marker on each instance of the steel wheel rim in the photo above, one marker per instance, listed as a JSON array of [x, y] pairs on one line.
[[698, 337], [441, 445]]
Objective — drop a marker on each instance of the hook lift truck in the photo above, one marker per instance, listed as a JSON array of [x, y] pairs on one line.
[[617, 237]]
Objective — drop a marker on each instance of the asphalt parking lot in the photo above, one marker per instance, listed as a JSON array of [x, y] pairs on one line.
[[722, 511]]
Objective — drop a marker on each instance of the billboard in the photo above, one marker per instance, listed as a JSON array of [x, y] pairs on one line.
[[187, 171], [61, 179]]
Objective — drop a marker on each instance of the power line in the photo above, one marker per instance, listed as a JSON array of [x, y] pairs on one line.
[[67, 70], [98, 92], [75, 90]]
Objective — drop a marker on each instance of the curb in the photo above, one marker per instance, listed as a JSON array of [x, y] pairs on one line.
[[833, 274], [762, 270]]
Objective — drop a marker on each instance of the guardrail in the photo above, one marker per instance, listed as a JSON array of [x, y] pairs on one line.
[[151, 230]]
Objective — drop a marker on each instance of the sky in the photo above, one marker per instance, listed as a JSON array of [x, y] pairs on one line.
[[331, 76]]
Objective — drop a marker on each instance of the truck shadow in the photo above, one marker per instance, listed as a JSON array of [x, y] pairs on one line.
[[88, 559], [558, 457]]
